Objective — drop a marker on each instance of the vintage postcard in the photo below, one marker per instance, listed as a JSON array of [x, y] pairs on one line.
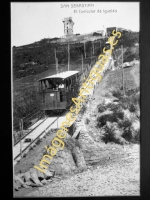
[[75, 99]]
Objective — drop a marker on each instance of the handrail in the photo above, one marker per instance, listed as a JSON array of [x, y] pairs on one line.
[[36, 138], [30, 132]]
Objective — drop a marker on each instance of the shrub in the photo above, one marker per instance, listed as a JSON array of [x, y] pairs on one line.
[[101, 108], [130, 102], [113, 107], [123, 105], [124, 124], [107, 94], [125, 100], [117, 93], [109, 136], [132, 108], [136, 138], [127, 134], [136, 99], [113, 117], [120, 114], [101, 121]]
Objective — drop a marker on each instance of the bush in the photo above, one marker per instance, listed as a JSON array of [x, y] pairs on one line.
[[127, 134], [101, 108], [120, 114], [101, 121], [113, 107], [136, 138], [117, 93], [132, 108], [123, 105], [114, 117], [136, 99], [124, 124], [109, 136], [130, 102]]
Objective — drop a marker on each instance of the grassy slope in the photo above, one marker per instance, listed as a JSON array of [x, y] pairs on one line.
[[43, 55], [30, 82]]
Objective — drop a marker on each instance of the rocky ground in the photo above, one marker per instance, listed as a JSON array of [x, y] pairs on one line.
[[116, 177]]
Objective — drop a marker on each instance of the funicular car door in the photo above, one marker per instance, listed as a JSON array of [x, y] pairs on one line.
[[52, 99]]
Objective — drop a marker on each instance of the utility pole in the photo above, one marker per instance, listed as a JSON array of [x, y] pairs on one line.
[[57, 122], [91, 56], [93, 47], [82, 62], [56, 65], [68, 56], [100, 45], [21, 133], [122, 71], [84, 50], [48, 61], [55, 54]]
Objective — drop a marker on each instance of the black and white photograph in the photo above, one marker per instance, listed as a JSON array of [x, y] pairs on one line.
[[75, 88]]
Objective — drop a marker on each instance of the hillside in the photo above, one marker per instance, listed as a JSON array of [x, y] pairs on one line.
[[34, 61], [39, 56]]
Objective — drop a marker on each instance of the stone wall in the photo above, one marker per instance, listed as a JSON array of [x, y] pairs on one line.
[[63, 162], [68, 160], [81, 151], [94, 152]]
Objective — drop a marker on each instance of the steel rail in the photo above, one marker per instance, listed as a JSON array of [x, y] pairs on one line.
[[36, 138], [30, 132]]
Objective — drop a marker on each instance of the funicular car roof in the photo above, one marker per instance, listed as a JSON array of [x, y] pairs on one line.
[[62, 75]]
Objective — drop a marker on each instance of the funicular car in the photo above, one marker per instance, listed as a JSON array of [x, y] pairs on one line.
[[57, 91]]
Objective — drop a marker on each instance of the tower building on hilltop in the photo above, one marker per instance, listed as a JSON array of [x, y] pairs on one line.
[[68, 26]]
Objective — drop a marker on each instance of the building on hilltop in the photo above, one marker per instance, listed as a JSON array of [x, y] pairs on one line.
[[68, 26], [102, 32], [122, 30]]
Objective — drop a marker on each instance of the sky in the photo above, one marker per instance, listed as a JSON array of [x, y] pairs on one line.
[[31, 22]]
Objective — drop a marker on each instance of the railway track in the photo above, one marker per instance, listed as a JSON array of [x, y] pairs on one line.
[[33, 127], [38, 132]]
